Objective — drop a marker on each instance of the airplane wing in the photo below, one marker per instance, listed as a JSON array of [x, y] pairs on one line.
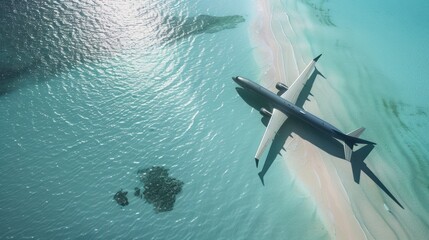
[[276, 121], [295, 89], [278, 118]]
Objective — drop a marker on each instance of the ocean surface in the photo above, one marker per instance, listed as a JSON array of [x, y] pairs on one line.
[[93, 91]]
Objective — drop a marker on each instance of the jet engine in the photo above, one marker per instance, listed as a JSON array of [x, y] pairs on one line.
[[281, 87], [264, 112]]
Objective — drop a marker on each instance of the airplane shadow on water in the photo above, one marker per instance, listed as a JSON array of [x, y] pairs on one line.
[[324, 142]]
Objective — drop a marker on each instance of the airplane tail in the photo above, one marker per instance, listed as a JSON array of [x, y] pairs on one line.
[[351, 139]]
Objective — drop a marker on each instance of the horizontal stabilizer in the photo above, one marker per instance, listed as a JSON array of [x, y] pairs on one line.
[[348, 149], [352, 139], [356, 133]]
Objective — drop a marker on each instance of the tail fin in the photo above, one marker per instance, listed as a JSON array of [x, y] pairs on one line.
[[352, 139]]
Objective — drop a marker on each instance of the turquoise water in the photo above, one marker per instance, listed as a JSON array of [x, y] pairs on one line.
[[392, 36], [376, 61], [92, 91]]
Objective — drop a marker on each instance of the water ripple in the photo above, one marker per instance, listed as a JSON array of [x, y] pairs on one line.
[[102, 92]]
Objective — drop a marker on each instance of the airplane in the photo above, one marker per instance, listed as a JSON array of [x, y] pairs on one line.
[[283, 105]]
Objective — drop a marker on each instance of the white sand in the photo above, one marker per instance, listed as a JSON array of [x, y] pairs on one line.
[[343, 206]]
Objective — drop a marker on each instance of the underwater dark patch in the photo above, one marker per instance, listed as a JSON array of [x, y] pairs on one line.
[[121, 198], [395, 108], [321, 12], [160, 189], [180, 27]]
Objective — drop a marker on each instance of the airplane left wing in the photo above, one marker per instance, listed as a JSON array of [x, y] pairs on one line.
[[276, 121]]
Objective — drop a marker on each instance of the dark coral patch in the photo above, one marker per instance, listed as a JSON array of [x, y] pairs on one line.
[[160, 189]]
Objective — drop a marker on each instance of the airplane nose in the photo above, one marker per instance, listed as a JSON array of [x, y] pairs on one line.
[[240, 81], [235, 79]]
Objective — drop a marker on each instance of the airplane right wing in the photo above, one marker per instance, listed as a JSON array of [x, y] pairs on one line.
[[295, 89]]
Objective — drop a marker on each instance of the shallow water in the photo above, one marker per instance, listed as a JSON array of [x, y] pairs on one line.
[[92, 91]]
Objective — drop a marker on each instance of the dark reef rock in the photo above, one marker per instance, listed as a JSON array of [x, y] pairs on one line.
[[159, 189], [184, 26], [121, 198]]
